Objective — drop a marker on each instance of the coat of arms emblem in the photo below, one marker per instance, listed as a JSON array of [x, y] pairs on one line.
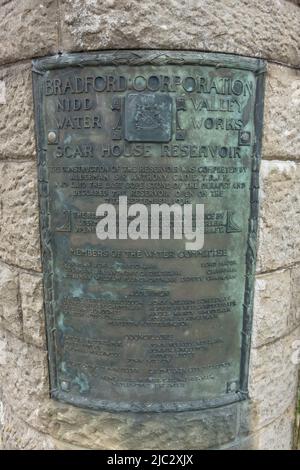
[[148, 116]]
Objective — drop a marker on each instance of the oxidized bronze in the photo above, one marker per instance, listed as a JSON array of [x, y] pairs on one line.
[[146, 325]]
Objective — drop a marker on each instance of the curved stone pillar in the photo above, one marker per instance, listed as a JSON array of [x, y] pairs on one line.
[[29, 419]]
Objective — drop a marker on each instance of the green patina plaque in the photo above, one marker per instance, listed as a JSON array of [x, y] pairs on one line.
[[147, 325]]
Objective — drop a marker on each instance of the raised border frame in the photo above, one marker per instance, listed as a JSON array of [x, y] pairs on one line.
[[135, 58]]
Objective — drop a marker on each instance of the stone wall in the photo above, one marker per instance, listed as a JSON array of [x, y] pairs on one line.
[[34, 28]]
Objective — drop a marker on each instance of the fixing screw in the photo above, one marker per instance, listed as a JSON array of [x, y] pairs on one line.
[[52, 137], [64, 386], [232, 386]]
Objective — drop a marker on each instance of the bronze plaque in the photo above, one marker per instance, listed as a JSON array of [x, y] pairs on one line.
[[146, 325]]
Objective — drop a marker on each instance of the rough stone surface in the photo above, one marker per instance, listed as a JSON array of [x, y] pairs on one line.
[[23, 377], [16, 113], [272, 317], [279, 242], [281, 137], [103, 430], [273, 380], [28, 28], [266, 29], [19, 229], [10, 312], [279, 434], [31, 292], [17, 435]]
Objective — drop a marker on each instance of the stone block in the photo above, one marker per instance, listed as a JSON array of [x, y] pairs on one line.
[[31, 292], [10, 309], [19, 230], [281, 136], [278, 241], [15, 434], [272, 316], [16, 113], [279, 434], [117, 431], [273, 381], [28, 28], [23, 377], [263, 29]]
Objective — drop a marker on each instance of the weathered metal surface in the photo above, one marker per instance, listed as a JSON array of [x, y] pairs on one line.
[[146, 325]]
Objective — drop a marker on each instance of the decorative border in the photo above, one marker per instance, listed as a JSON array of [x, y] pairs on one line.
[[45, 238], [134, 58], [252, 235], [140, 57]]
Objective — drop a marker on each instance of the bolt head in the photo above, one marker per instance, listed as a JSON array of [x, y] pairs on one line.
[[52, 137], [64, 386]]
